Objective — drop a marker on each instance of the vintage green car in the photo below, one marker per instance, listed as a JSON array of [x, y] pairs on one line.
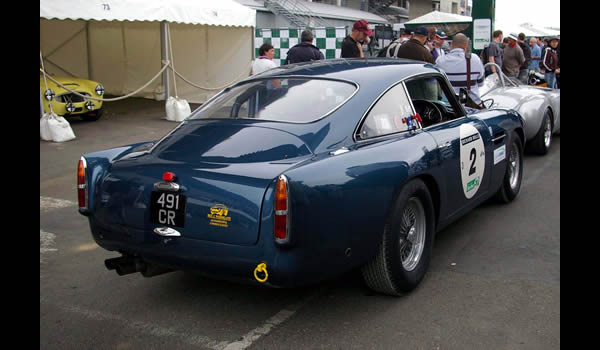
[[66, 103]]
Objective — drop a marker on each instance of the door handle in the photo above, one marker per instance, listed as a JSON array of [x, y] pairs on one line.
[[339, 151], [445, 145]]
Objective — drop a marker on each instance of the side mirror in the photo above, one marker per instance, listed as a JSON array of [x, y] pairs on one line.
[[462, 96]]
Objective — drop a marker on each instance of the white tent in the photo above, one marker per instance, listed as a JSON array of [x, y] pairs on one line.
[[121, 43], [528, 29], [448, 22], [439, 17]]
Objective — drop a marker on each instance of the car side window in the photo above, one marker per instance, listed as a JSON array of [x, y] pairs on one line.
[[432, 100], [388, 115]]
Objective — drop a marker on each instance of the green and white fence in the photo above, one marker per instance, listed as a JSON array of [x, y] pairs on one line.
[[328, 40]]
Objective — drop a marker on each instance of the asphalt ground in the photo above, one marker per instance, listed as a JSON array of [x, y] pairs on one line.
[[493, 282]]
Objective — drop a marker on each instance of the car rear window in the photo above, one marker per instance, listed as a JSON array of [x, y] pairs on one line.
[[296, 100]]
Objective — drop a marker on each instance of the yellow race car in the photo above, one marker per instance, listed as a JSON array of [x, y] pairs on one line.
[[66, 103]]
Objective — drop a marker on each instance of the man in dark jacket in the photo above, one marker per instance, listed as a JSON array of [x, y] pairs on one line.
[[524, 70], [305, 51], [550, 62], [414, 48]]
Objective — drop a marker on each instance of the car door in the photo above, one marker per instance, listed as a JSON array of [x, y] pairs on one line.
[[463, 144]]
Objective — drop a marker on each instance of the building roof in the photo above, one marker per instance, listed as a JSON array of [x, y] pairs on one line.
[[325, 11]]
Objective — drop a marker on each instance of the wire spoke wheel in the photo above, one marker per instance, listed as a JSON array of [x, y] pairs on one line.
[[547, 131], [407, 240], [412, 234], [514, 167]]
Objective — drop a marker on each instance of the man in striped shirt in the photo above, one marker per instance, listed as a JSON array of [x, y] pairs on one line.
[[454, 63]]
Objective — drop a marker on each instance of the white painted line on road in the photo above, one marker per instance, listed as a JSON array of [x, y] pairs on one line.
[[189, 338], [143, 327], [48, 203], [46, 242], [265, 328]]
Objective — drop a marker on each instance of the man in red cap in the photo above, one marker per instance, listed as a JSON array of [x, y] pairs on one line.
[[352, 44]]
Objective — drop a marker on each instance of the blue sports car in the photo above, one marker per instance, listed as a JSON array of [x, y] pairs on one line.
[[304, 172]]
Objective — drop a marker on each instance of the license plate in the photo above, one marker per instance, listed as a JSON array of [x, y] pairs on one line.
[[167, 208]]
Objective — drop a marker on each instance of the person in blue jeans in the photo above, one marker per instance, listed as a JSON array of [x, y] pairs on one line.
[[550, 62], [536, 55]]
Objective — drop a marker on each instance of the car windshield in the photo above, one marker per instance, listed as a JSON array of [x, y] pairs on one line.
[[297, 100], [490, 83]]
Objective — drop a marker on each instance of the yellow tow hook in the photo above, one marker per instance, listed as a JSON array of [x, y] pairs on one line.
[[262, 267]]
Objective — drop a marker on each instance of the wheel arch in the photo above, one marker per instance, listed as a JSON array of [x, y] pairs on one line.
[[521, 134], [434, 192], [553, 115]]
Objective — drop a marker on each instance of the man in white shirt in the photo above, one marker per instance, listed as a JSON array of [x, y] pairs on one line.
[[265, 61], [454, 63]]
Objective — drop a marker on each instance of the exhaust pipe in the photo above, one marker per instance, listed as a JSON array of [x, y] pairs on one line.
[[126, 264]]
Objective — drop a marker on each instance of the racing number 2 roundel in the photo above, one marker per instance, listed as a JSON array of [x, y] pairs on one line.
[[472, 159]]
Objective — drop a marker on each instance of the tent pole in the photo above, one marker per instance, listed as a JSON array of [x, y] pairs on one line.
[[164, 55], [41, 105], [88, 44]]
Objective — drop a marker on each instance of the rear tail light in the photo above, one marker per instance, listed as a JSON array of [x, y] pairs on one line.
[[82, 191], [282, 213]]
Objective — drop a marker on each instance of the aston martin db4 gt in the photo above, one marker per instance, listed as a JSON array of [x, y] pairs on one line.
[[304, 172]]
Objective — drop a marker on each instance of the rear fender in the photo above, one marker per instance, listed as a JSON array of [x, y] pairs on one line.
[[99, 163]]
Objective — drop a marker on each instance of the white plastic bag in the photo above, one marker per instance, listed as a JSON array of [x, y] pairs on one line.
[[44, 129], [177, 109], [60, 129]]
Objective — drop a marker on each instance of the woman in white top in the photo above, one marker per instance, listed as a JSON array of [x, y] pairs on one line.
[[265, 61]]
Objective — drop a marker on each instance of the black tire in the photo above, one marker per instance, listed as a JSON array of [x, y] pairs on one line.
[[511, 183], [540, 144], [386, 272], [90, 118]]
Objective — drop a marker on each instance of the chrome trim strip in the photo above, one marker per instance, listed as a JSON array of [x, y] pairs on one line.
[[499, 138], [167, 186], [167, 232]]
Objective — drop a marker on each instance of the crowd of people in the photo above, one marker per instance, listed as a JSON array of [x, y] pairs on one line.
[[511, 53]]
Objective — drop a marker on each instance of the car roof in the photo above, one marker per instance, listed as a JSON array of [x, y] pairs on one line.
[[383, 71], [373, 75]]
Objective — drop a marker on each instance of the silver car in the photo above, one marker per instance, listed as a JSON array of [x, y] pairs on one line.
[[539, 107]]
